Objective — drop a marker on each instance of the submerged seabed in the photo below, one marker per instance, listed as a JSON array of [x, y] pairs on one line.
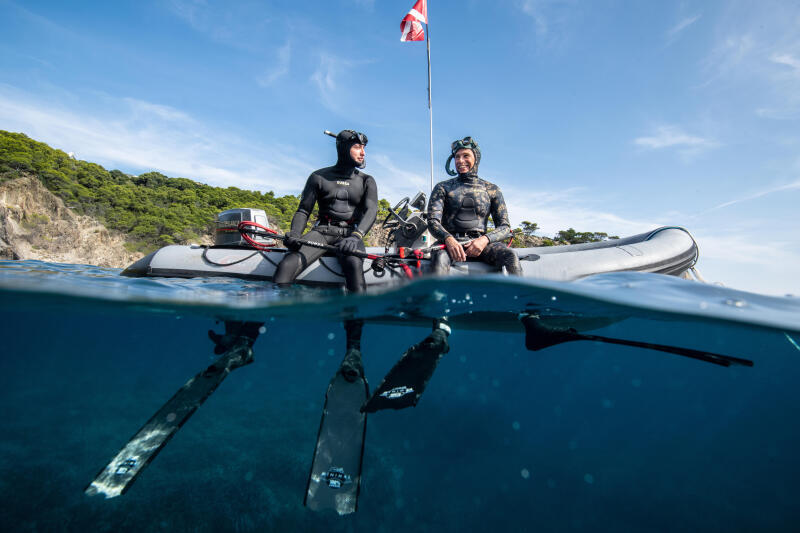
[[580, 436]]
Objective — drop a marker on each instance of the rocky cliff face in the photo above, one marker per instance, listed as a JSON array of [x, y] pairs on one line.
[[35, 224]]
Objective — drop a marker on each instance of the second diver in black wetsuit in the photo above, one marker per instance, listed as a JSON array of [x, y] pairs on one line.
[[348, 205]]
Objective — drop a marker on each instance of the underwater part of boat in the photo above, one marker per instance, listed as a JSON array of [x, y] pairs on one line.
[[667, 250]]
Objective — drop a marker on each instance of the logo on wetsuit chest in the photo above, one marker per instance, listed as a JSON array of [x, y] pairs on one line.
[[342, 183]]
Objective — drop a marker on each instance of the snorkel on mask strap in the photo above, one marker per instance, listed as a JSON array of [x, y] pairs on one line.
[[466, 143]]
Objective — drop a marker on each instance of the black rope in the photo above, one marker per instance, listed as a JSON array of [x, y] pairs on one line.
[[205, 258], [329, 269]]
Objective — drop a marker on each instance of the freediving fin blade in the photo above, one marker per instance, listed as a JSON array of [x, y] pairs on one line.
[[117, 477], [335, 478], [538, 336], [406, 381]]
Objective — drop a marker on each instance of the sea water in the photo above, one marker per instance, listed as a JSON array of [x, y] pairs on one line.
[[582, 436]]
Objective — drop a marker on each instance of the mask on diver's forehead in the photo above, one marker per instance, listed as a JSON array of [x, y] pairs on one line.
[[467, 143]]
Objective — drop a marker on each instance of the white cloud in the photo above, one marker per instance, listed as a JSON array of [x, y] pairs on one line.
[[749, 261], [795, 185], [551, 19], [788, 60], [244, 26], [331, 78], [561, 209], [281, 67], [325, 75], [675, 31], [138, 136], [674, 137], [394, 182]]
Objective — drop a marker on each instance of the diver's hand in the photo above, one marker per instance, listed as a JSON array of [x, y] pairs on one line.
[[348, 245], [454, 249], [475, 247], [290, 240]]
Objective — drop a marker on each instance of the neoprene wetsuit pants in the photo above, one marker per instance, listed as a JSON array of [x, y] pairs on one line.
[[295, 262], [496, 254]]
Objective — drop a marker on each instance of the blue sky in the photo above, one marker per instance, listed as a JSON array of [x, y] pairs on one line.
[[603, 116]]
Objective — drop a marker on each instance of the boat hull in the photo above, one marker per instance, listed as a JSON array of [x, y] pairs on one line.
[[667, 250]]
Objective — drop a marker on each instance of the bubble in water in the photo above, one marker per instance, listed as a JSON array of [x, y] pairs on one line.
[[171, 417], [553, 298], [331, 351], [331, 336], [636, 382], [248, 476], [262, 330], [467, 297], [462, 358], [588, 478], [735, 303], [525, 473], [515, 425], [484, 296], [272, 319]]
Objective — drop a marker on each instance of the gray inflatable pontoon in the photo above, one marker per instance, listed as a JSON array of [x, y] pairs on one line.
[[668, 250]]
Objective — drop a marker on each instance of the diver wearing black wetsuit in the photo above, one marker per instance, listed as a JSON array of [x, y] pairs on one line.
[[348, 205]]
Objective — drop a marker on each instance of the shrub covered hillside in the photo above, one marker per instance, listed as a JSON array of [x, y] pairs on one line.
[[154, 210], [151, 208]]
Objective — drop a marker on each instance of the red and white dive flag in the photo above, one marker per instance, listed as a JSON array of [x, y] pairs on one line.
[[412, 23]]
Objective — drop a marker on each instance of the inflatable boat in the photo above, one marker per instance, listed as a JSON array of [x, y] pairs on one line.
[[668, 250]]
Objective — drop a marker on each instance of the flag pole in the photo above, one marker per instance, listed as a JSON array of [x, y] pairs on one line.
[[430, 105]]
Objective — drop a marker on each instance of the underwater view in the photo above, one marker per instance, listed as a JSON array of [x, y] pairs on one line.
[[577, 436]]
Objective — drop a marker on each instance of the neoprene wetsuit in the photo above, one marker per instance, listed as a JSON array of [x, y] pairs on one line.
[[348, 205], [460, 208]]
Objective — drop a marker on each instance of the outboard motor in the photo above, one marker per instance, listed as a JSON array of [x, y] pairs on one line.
[[227, 224]]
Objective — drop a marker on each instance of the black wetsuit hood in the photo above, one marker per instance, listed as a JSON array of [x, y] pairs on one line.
[[344, 141]]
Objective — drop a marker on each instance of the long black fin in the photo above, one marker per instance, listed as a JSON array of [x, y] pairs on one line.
[[539, 336], [406, 381], [335, 478], [117, 477]]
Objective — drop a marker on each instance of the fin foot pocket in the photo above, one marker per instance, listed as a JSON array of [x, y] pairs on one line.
[[352, 366]]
